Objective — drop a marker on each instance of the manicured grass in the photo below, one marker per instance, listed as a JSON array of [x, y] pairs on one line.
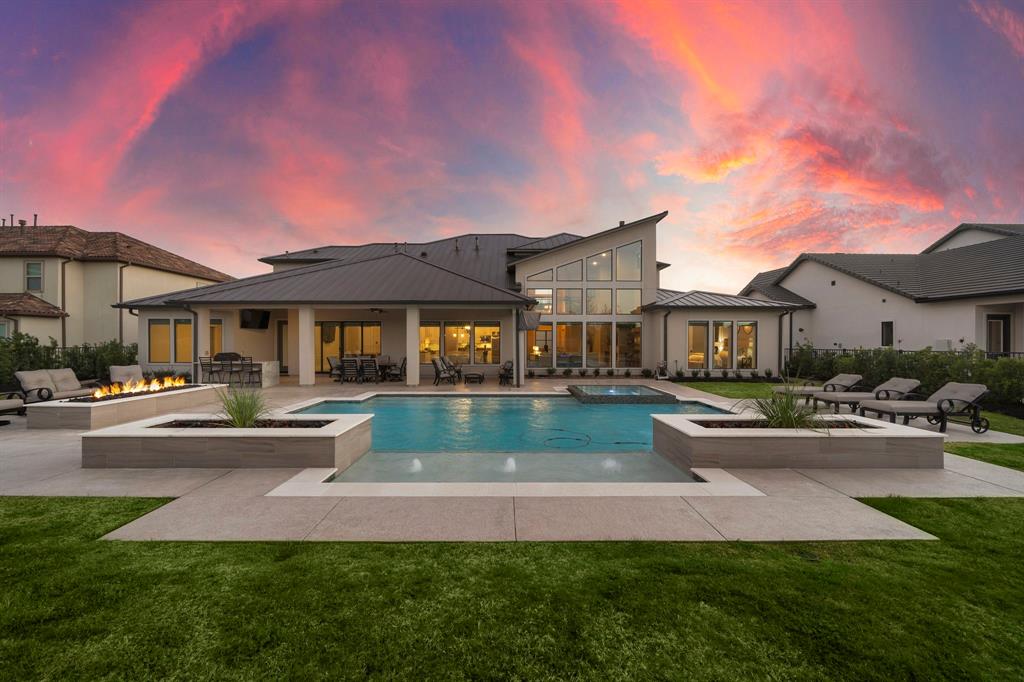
[[1011, 456], [1004, 422], [73, 606], [734, 389]]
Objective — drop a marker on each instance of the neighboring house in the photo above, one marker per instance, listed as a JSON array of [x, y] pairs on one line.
[[966, 288], [553, 302], [60, 281]]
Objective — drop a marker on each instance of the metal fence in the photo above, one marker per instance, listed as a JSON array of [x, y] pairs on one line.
[[817, 353]]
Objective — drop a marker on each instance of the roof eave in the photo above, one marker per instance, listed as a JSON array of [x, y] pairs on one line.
[[656, 218]]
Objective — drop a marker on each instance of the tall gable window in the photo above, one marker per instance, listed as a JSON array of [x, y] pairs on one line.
[[571, 272], [569, 302], [33, 276], [540, 276], [599, 267], [629, 262], [543, 297]]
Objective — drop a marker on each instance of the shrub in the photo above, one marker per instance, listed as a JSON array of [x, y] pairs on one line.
[[243, 407], [707, 374], [694, 373], [530, 374], [787, 410], [753, 374], [609, 372], [680, 374], [597, 372], [551, 371], [646, 373], [582, 372], [89, 361], [768, 373], [627, 373], [566, 372], [725, 374]]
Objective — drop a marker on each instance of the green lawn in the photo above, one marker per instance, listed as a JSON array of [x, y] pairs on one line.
[[72, 606], [1011, 456]]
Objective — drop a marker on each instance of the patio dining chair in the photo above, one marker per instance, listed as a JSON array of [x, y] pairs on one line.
[[335, 365], [349, 369], [208, 371], [368, 370], [505, 373], [251, 371], [394, 373]]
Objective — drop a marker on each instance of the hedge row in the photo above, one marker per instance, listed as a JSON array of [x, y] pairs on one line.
[[1004, 376], [20, 352]]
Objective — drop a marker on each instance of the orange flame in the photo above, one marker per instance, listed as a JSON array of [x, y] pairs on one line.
[[130, 386]]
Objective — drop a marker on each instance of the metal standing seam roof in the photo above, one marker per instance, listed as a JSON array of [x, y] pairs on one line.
[[397, 278], [667, 298]]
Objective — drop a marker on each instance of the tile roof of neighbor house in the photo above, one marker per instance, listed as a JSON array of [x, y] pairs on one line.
[[395, 278], [1003, 229], [764, 282], [27, 305], [667, 298], [988, 269], [68, 241]]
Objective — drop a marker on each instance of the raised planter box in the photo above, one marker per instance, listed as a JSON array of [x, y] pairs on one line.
[[86, 416], [877, 445], [146, 444]]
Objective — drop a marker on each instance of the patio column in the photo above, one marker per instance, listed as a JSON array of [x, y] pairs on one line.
[[201, 342], [412, 346], [307, 372]]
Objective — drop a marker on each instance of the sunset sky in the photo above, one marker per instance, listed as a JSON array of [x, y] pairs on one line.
[[226, 131]]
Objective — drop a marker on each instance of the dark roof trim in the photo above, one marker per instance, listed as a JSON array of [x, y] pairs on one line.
[[709, 300], [1007, 230], [657, 218]]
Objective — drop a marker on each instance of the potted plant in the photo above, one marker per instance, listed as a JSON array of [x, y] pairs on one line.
[[609, 372]]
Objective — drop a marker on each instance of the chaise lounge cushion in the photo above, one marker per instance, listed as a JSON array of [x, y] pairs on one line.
[[840, 381], [10, 404], [64, 380], [32, 381], [962, 393], [123, 373], [895, 387]]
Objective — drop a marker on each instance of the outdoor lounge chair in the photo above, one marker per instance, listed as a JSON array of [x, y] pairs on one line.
[[952, 400], [893, 389], [442, 373], [122, 374], [368, 370], [335, 364], [349, 369], [456, 370], [840, 382], [11, 403], [395, 373], [505, 373], [53, 384]]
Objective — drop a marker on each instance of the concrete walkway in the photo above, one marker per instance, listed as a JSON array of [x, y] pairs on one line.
[[763, 504]]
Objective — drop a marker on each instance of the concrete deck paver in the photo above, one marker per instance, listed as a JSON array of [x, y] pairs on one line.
[[784, 483], [809, 518], [120, 482], [906, 483], [399, 519], [1002, 476], [217, 517], [610, 518]]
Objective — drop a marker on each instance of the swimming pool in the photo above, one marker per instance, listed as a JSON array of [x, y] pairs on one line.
[[454, 424]]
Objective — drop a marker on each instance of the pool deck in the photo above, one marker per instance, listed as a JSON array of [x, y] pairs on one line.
[[737, 504]]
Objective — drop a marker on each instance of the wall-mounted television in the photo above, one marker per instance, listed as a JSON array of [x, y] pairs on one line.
[[254, 319]]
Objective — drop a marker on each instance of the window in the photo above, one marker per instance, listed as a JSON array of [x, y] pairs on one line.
[[721, 354], [456, 341], [599, 267], [887, 333], [4, 330], [627, 301], [33, 276], [629, 262], [599, 344], [628, 352], [326, 344], [160, 341], [540, 277], [430, 342], [746, 345], [486, 343], [569, 302], [697, 345], [599, 301], [371, 338], [538, 346], [216, 336], [543, 297], [571, 272], [183, 340], [569, 344]]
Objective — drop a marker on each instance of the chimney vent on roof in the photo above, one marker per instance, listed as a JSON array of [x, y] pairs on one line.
[[35, 219], [456, 243], [396, 247], [476, 243], [622, 223], [22, 223]]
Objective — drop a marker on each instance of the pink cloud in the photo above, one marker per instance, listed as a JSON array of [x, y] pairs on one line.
[[1004, 21]]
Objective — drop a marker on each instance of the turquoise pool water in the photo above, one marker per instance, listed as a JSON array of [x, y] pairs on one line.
[[478, 424], [596, 389]]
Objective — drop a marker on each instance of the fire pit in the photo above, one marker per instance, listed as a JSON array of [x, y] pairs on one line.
[[119, 404]]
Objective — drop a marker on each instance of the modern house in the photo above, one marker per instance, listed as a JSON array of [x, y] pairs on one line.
[[546, 304], [60, 281], [966, 288]]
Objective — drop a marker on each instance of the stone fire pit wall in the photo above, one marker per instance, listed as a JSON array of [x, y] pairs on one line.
[[87, 416], [878, 445], [139, 445]]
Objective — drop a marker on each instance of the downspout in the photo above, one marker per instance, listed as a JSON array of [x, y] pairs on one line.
[[63, 302], [664, 339], [781, 315], [515, 314], [791, 337], [195, 343], [120, 299]]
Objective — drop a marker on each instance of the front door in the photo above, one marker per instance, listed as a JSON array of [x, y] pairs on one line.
[[997, 329]]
